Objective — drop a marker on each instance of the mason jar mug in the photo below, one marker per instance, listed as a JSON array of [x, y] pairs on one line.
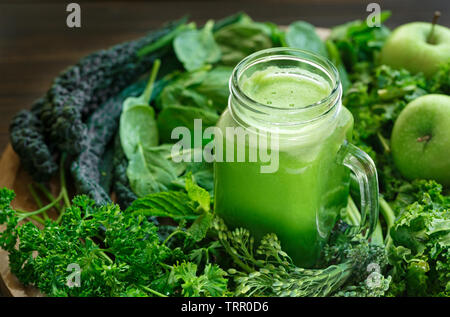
[[287, 156]]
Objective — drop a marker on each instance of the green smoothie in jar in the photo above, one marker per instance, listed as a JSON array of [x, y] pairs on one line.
[[287, 103]]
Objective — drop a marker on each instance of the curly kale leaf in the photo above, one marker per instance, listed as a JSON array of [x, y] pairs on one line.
[[28, 140], [102, 125], [421, 243], [440, 82]]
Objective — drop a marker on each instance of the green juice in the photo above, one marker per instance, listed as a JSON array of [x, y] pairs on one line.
[[301, 200], [277, 88]]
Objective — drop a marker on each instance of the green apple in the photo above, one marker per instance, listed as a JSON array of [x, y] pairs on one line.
[[410, 47], [420, 139]]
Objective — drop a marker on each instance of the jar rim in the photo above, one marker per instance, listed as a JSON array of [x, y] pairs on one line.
[[276, 53]]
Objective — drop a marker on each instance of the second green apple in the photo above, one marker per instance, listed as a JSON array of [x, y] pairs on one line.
[[410, 46], [421, 139]]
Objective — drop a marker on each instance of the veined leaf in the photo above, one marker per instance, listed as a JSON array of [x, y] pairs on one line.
[[137, 121], [241, 39], [201, 226], [303, 35], [138, 129], [196, 48], [198, 194], [152, 170], [173, 204]]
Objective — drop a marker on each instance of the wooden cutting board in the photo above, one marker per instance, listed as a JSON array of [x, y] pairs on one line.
[[13, 176]]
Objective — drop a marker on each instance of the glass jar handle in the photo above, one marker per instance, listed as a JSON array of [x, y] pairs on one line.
[[360, 163]]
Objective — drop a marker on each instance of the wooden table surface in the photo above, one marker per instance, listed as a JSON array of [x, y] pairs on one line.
[[36, 44]]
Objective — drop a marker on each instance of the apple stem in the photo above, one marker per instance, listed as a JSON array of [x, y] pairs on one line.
[[436, 16], [425, 138]]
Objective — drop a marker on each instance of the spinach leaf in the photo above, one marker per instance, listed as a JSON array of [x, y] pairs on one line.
[[203, 175], [243, 38], [137, 121], [121, 185], [198, 194], [152, 170], [200, 226], [215, 87], [164, 40], [303, 35], [202, 172], [181, 116], [138, 129], [205, 88], [156, 169], [195, 48], [178, 94]]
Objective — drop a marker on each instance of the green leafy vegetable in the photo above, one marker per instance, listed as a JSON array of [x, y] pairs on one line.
[[175, 205], [196, 48], [118, 253], [195, 95], [205, 88], [359, 42], [153, 170], [335, 58], [28, 140], [214, 87], [303, 35], [121, 185], [440, 82], [242, 38], [211, 283], [198, 194], [137, 121], [420, 249], [102, 125], [172, 117]]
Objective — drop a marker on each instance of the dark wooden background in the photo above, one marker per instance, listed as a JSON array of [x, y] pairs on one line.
[[35, 43]]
